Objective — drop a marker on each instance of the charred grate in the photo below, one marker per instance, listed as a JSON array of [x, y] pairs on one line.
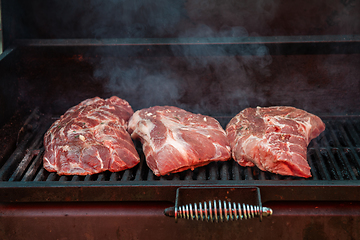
[[334, 155]]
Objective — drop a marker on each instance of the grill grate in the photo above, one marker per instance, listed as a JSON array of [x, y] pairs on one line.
[[334, 155]]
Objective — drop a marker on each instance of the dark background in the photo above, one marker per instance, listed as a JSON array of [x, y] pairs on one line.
[[177, 18], [213, 79]]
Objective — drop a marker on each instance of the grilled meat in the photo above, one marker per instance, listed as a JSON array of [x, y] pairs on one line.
[[275, 139], [175, 140], [91, 137]]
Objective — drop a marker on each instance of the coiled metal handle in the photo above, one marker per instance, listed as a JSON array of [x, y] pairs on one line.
[[216, 211]]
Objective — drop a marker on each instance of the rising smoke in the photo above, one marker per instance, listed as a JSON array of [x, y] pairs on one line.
[[208, 78]]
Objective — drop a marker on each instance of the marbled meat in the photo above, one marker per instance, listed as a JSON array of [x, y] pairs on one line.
[[275, 139], [175, 140], [91, 137]]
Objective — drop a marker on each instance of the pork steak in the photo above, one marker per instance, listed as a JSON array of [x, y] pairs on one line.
[[275, 139], [91, 137], [175, 140]]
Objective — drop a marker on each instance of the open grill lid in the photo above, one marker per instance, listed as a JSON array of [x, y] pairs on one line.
[[334, 158]]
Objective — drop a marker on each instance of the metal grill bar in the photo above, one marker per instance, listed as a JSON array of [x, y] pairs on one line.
[[40, 175], [34, 167], [75, 178], [35, 147], [235, 169], [191, 41], [326, 151], [325, 174], [201, 174], [336, 137], [8, 168], [353, 133]]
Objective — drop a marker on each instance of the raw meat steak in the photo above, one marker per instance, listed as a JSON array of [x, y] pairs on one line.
[[91, 137], [275, 139], [175, 140]]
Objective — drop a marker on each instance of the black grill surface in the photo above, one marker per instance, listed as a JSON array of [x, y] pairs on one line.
[[334, 158]]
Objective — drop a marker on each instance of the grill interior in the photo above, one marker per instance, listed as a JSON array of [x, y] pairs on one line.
[[211, 57], [334, 155]]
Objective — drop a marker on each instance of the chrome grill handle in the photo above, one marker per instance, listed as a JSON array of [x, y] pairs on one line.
[[217, 210]]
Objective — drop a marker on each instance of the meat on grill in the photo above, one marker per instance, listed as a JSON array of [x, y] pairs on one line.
[[91, 137], [175, 140], [275, 139]]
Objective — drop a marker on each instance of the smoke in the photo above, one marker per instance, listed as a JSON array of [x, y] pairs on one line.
[[210, 78], [143, 83], [214, 79], [255, 16], [221, 79], [206, 78]]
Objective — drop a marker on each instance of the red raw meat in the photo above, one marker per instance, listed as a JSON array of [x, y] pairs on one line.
[[175, 140], [91, 137], [275, 139]]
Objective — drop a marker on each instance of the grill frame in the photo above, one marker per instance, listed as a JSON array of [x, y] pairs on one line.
[[23, 179]]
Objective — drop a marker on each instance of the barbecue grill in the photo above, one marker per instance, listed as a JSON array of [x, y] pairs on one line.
[[209, 57]]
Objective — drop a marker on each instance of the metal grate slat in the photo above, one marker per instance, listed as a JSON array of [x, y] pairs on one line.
[[87, 178], [40, 176], [64, 178], [51, 177], [32, 151], [353, 133], [334, 167], [351, 148], [142, 166], [188, 175], [150, 176], [75, 178], [213, 175], [236, 171], [248, 173], [201, 174], [323, 169], [314, 173], [262, 175], [354, 161], [114, 177], [345, 135], [126, 175], [343, 158], [34, 167], [327, 149], [14, 158], [224, 171], [101, 177]]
